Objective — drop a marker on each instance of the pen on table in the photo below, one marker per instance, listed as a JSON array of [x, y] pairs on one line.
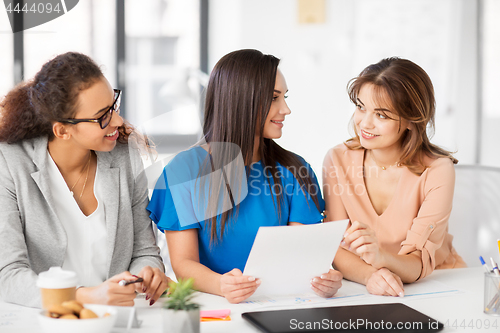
[[495, 267], [486, 268], [124, 283]]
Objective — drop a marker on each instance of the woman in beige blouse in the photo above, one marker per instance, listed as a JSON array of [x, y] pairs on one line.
[[392, 183]]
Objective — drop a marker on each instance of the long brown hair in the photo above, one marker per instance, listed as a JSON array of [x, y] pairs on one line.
[[29, 110], [238, 100], [410, 93]]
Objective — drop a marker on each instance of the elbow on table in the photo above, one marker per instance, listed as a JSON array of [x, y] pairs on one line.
[[417, 267]]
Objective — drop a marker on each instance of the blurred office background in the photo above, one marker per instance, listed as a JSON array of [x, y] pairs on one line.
[[160, 51]]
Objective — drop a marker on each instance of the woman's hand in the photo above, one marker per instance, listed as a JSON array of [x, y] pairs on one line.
[[154, 284], [362, 241], [327, 284], [236, 287], [109, 292], [386, 283]]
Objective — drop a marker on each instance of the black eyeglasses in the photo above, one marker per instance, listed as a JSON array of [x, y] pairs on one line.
[[103, 120]]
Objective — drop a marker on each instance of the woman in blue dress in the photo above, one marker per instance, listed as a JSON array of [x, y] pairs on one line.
[[212, 198]]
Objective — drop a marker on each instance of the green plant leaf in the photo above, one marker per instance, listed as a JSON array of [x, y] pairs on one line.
[[180, 295]]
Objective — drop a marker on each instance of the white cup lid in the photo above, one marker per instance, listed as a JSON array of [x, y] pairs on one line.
[[57, 278]]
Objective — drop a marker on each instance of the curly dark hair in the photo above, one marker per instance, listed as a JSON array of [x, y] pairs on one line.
[[29, 110]]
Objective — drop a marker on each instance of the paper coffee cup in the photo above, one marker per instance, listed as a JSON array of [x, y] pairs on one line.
[[56, 286]]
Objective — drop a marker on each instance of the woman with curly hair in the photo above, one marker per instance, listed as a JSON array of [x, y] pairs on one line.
[[71, 189]]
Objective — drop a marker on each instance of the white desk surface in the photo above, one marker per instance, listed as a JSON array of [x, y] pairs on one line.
[[460, 312]]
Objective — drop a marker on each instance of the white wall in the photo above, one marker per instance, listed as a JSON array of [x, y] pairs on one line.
[[319, 59], [491, 84]]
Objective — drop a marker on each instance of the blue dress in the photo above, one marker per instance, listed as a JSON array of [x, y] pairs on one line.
[[175, 205]]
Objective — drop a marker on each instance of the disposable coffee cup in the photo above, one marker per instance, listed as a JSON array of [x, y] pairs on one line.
[[56, 286], [491, 294]]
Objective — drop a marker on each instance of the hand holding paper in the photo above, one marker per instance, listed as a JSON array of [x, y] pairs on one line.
[[327, 284], [236, 287], [286, 258]]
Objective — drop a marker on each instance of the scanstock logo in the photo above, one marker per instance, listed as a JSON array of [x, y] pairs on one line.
[[26, 14]]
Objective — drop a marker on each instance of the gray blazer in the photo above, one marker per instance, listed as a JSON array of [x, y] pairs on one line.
[[32, 239]]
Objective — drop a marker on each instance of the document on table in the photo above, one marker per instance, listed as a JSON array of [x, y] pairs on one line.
[[350, 290], [429, 288], [286, 258]]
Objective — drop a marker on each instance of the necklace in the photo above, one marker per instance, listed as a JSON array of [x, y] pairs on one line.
[[397, 164], [86, 177], [87, 166]]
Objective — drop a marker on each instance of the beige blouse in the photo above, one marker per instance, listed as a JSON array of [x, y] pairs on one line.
[[416, 218]]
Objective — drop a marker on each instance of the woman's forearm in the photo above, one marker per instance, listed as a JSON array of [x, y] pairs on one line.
[[205, 279], [352, 267], [408, 267]]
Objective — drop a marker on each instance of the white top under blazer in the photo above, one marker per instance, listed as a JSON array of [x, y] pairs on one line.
[[87, 237], [33, 238]]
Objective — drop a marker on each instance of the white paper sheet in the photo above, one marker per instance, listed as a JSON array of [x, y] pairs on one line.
[[286, 258], [348, 292], [429, 288]]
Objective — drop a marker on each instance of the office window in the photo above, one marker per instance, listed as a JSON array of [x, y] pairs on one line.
[[88, 28], [6, 56], [69, 32], [162, 70]]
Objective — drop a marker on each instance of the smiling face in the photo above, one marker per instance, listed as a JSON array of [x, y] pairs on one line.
[[279, 109], [92, 104], [377, 124]]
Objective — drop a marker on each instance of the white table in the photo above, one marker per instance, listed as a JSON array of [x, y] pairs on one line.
[[460, 312]]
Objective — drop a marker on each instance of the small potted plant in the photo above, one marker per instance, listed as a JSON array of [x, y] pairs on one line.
[[180, 313]]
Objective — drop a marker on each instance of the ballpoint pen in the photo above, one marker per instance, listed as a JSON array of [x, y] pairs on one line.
[[124, 283], [486, 268], [495, 267], [493, 303]]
